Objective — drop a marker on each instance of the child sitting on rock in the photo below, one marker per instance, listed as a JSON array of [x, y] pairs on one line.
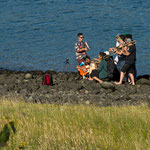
[[84, 69]]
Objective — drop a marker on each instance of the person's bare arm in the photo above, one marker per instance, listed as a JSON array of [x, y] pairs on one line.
[[125, 51], [112, 49], [119, 52], [82, 49]]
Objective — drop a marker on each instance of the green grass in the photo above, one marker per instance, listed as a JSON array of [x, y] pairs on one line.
[[76, 127]]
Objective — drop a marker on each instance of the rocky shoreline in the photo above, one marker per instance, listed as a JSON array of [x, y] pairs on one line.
[[68, 89]]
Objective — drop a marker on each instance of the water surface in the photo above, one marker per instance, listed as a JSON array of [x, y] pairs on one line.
[[40, 34]]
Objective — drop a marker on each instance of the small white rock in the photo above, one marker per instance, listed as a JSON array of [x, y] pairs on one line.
[[28, 76], [87, 102]]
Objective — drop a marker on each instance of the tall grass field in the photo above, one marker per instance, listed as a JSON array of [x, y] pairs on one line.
[[75, 127]]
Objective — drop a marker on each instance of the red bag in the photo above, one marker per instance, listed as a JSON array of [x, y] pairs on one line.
[[47, 79]]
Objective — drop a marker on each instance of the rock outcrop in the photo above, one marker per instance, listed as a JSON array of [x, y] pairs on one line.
[[69, 88]]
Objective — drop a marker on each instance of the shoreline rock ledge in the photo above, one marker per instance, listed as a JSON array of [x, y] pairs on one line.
[[68, 89]]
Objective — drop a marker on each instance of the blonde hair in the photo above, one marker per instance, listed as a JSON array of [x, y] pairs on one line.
[[93, 66]]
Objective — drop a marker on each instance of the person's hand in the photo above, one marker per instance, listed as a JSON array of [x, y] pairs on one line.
[[84, 69], [121, 45], [120, 52], [86, 49], [96, 67], [111, 49], [124, 49]]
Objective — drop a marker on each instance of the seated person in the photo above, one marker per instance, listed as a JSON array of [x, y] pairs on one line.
[[87, 60], [100, 74], [84, 69], [94, 64]]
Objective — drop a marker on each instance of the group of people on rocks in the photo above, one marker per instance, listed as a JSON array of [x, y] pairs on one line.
[[105, 67]]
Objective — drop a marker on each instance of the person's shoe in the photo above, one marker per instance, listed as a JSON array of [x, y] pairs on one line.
[[129, 82]]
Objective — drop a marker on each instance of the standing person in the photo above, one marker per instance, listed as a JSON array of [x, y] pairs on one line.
[[81, 48], [119, 42], [129, 68]]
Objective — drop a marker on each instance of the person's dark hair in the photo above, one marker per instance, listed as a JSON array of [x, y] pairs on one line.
[[129, 36], [122, 37], [102, 54], [79, 34], [87, 57]]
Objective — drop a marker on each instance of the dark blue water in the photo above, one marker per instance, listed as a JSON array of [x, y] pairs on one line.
[[40, 34]]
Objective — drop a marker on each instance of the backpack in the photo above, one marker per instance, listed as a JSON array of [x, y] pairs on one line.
[[47, 79], [112, 71]]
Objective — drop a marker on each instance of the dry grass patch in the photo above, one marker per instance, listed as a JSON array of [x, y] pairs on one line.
[[54, 127]]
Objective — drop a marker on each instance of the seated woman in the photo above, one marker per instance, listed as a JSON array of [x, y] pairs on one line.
[[100, 74]]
